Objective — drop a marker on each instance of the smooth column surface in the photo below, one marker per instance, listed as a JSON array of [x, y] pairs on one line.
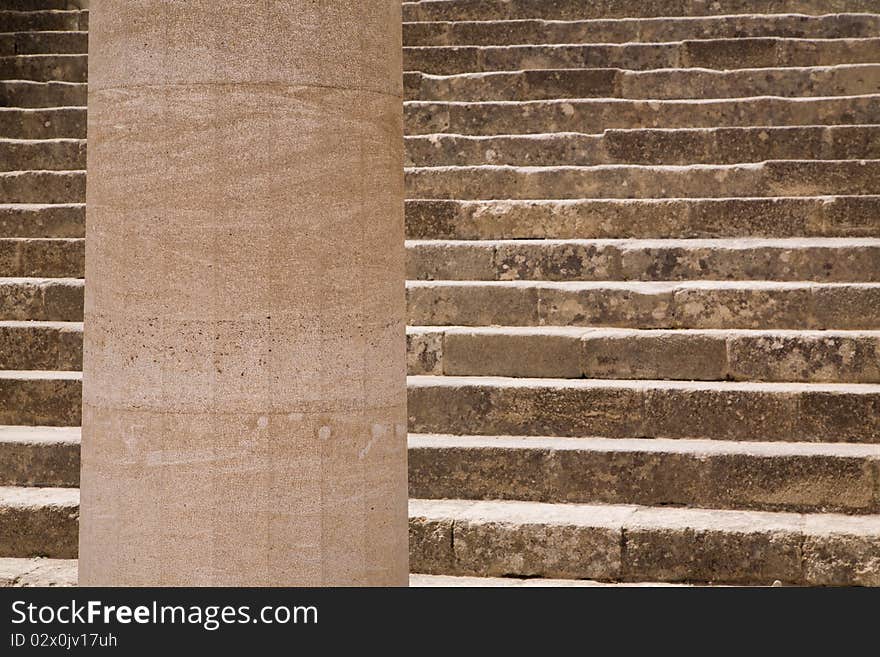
[[244, 417]]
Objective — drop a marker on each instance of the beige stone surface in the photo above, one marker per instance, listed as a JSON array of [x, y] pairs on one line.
[[244, 358]]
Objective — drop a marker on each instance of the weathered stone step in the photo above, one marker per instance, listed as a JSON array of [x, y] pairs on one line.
[[45, 154], [43, 187], [39, 522], [613, 353], [43, 123], [824, 216], [26, 345], [41, 5], [418, 580], [486, 10], [635, 543], [42, 257], [39, 43], [44, 21], [716, 410], [37, 220], [44, 68], [27, 94], [46, 572], [660, 84], [627, 30], [41, 299], [800, 477], [728, 53], [770, 178], [593, 116], [648, 146], [39, 456], [40, 398], [801, 259], [691, 304]]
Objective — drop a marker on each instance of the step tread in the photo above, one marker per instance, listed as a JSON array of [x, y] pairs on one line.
[[20, 572], [751, 166], [689, 446], [630, 516], [35, 435], [643, 287], [419, 580], [610, 331], [733, 243], [428, 380], [41, 375], [32, 497]]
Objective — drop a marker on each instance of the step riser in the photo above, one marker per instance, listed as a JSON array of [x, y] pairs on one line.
[[39, 95], [717, 146], [722, 54], [441, 545], [776, 178], [597, 262], [566, 10], [483, 33], [39, 532], [42, 43], [40, 348], [720, 481], [53, 258], [39, 464], [46, 155], [593, 116], [48, 221], [588, 219], [43, 124], [681, 307], [41, 301], [44, 68], [40, 402], [44, 21], [43, 187], [661, 85], [817, 358], [637, 412]]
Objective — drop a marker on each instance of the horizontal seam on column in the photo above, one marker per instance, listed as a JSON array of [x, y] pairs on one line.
[[246, 84]]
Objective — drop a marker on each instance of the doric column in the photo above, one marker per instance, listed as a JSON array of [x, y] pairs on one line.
[[244, 415]]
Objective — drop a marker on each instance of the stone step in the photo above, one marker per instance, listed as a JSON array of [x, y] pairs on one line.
[[676, 146], [42, 257], [824, 216], [43, 187], [41, 299], [769, 178], [689, 304], [612, 353], [30, 345], [418, 580], [41, 5], [594, 116], [45, 154], [40, 398], [44, 21], [35, 220], [39, 522], [51, 572], [660, 84], [566, 10], [43, 123], [45, 68], [39, 456], [646, 30], [29, 94], [716, 410], [41, 43], [799, 477], [732, 53], [799, 259], [636, 543]]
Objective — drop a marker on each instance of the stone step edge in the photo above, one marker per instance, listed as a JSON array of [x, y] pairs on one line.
[[26, 572], [675, 168], [634, 243], [419, 580]]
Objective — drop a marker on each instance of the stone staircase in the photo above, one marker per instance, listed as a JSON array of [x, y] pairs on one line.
[[644, 295]]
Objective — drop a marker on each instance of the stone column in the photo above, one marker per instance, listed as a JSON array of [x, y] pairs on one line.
[[244, 412]]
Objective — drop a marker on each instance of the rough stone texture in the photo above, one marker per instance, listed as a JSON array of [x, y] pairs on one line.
[[39, 456], [39, 397], [244, 358], [39, 522]]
